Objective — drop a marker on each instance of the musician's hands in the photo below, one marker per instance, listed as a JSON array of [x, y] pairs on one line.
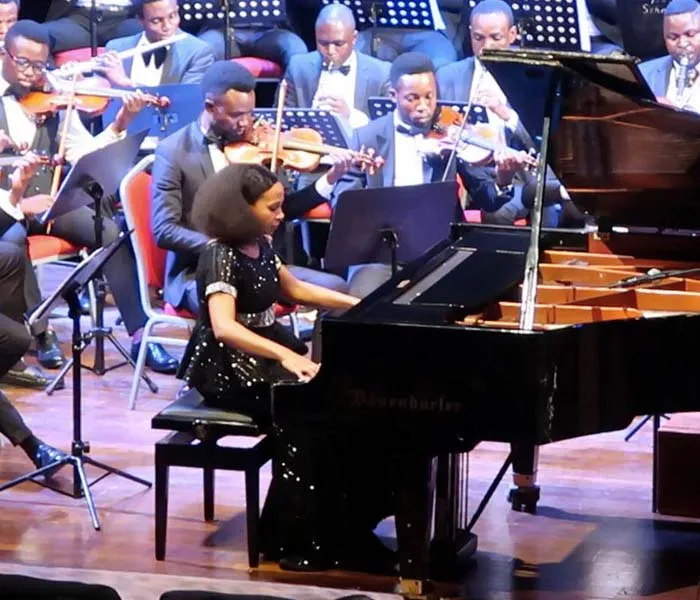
[[508, 163], [335, 105], [343, 161], [110, 65], [25, 168], [36, 205], [494, 102], [133, 103], [6, 143], [302, 367]]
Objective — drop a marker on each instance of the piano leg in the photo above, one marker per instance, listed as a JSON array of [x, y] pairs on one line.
[[525, 494], [414, 509], [452, 542]]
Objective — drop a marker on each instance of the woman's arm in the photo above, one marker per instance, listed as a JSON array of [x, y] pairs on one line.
[[222, 311], [310, 294]]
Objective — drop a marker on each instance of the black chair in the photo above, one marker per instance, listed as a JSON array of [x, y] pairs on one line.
[[195, 430]]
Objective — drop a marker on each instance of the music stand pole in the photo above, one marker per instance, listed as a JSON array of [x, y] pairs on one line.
[[93, 28], [79, 448], [227, 30]]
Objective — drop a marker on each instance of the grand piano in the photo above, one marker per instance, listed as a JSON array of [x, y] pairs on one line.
[[437, 359]]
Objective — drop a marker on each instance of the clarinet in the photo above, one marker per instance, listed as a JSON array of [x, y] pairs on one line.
[[681, 79]]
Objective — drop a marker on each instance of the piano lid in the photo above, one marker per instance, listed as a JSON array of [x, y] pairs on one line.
[[622, 156]]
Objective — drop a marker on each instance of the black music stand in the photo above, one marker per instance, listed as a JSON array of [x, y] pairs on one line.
[[85, 272], [323, 121], [379, 106], [553, 24], [185, 106], [393, 14], [94, 176], [390, 225]]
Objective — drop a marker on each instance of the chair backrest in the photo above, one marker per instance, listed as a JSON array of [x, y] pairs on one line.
[[135, 194]]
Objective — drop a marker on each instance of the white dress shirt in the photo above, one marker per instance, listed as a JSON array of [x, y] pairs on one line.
[[483, 80], [22, 130], [691, 97], [410, 166], [142, 73], [334, 83]]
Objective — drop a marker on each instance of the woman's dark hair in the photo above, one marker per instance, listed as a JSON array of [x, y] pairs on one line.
[[222, 203]]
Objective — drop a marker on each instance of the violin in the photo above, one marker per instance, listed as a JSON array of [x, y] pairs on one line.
[[90, 98], [478, 141], [300, 149]]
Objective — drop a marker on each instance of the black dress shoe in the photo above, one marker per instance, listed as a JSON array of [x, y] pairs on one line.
[[46, 455], [22, 375], [158, 358], [48, 352]]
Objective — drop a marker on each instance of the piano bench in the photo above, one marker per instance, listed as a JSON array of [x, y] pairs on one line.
[[195, 430]]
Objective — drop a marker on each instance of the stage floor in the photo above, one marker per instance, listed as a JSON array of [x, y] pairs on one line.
[[594, 536]]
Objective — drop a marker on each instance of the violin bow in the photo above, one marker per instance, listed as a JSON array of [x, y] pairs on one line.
[[278, 125], [58, 169]]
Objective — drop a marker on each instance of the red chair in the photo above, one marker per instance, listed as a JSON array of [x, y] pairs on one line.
[[260, 68], [135, 194]]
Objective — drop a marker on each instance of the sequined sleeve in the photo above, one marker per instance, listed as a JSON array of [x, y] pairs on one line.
[[219, 270]]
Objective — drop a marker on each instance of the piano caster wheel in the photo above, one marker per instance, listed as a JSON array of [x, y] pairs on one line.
[[524, 499]]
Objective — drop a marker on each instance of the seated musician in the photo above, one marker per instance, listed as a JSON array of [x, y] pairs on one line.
[[237, 351], [15, 338], [336, 77], [682, 40], [411, 158], [185, 159], [68, 22], [185, 61], [23, 65], [9, 13]]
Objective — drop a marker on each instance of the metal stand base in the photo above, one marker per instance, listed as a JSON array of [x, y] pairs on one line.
[[81, 486], [642, 423], [103, 333]]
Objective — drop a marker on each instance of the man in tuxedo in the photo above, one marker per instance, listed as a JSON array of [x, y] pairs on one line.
[[14, 334], [185, 159], [185, 61], [23, 65], [335, 77], [682, 40], [68, 22]]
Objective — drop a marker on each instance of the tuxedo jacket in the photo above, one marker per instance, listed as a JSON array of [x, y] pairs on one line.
[[657, 73], [304, 71], [185, 62], [182, 163]]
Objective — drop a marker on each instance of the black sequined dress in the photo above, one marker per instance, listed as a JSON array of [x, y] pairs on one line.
[[230, 378]]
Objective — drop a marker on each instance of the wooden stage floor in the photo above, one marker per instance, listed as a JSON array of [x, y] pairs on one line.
[[593, 537]]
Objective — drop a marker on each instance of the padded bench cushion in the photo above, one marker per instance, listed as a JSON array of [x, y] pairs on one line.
[[189, 413]]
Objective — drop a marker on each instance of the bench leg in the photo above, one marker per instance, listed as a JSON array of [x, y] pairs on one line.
[[208, 494], [162, 476], [252, 510]]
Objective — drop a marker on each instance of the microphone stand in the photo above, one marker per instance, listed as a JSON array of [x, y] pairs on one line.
[[93, 29]]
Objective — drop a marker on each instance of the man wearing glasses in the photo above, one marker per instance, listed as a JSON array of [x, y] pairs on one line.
[[23, 66]]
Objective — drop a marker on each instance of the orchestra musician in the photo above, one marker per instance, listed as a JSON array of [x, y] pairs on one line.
[[23, 66], [185, 61], [673, 78], [184, 160], [68, 22], [238, 350], [9, 13], [15, 337], [336, 77]]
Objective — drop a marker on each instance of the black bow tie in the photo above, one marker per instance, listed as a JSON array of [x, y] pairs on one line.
[[409, 130], [212, 138], [343, 69], [158, 55]]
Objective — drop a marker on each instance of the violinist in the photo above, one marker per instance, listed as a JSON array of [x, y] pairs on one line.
[[184, 61], [23, 65], [188, 157], [673, 78]]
